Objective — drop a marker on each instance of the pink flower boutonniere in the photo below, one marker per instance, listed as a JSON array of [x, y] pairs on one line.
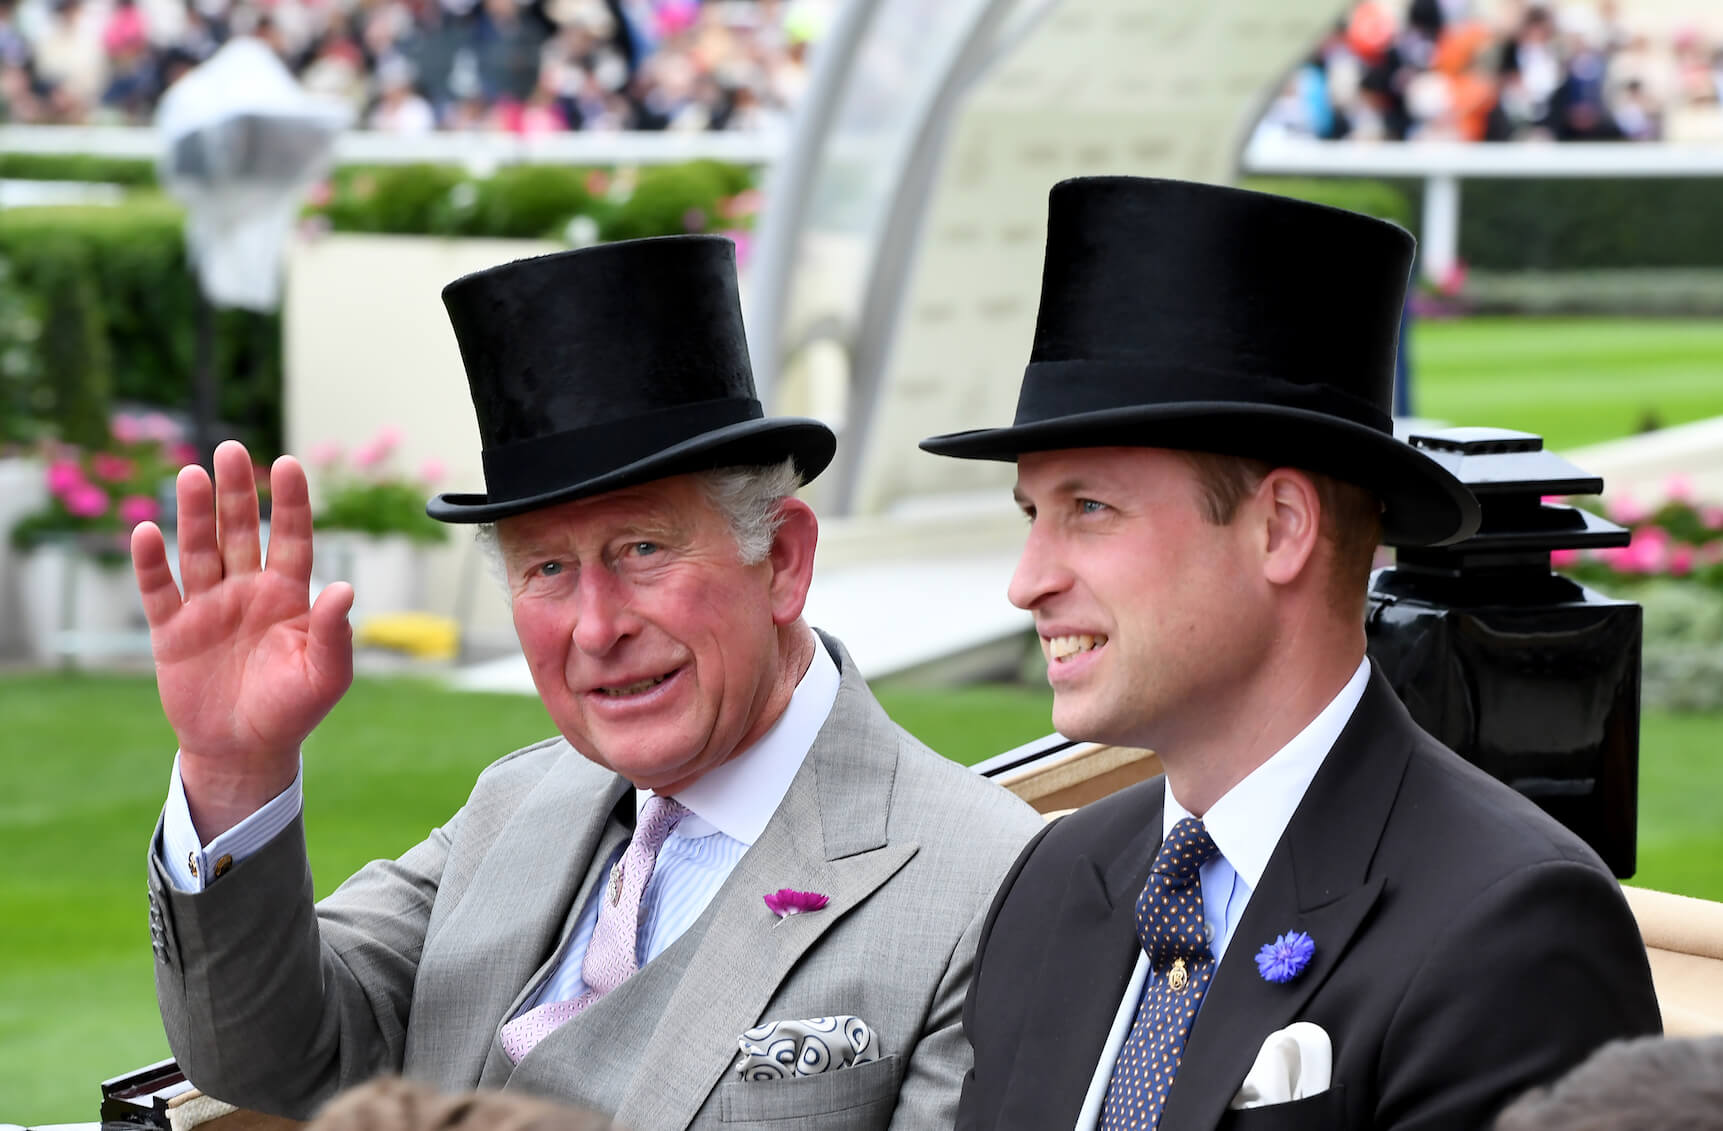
[[787, 901]]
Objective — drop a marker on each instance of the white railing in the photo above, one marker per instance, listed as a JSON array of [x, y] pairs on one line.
[[1443, 165], [478, 151]]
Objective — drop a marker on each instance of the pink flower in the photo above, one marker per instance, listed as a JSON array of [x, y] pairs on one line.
[[160, 428], [694, 220], [138, 508], [1626, 511], [319, 194], [1681, 560], [325, 455], [127, 429], [65, 476], [1562, 559], [598, 182], [367, 456], [1710, 554], [111, 468], [787, 901], [1678, 489], [744, 241], [86, 501], [388, 438], [183, 454], [432, 471], [1712, 517]]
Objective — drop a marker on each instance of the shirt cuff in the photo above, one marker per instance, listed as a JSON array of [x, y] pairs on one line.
[[191, 866]]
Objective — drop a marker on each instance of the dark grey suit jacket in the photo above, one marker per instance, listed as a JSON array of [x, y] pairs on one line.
[[1467, 948], [414, 964]]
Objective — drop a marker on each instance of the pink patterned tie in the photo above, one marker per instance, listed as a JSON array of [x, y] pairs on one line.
[[612, 953]]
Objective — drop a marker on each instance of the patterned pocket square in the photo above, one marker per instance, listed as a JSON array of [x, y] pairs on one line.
[[803, 1048]]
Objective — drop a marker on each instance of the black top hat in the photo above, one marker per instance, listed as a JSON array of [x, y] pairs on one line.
[[1202, 318], [609, 366]]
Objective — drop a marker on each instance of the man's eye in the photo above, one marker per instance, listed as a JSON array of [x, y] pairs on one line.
[[643, 549], [548, 569], [1090, 506]]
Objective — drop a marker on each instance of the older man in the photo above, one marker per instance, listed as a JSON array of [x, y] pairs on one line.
[[731, 892], [1320, 917]]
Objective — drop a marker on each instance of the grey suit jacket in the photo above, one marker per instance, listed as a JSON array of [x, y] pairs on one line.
[[413, 965]]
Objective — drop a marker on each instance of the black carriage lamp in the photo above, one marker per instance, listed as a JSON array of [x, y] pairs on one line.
[[1527, 674]]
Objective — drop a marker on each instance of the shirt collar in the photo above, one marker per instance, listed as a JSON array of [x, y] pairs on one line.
[[740, 796], [1246, 823]]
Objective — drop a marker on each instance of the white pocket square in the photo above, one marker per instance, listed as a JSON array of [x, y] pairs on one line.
[[776, 1049], [1293, 1063]]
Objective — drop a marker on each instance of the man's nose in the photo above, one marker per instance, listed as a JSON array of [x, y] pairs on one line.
[[1040, 572], [602, 618]]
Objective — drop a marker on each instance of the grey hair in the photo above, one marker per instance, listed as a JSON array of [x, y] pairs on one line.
[[747, 497]]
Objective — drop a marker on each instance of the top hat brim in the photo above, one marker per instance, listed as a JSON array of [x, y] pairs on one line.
[[1423, 503], [750, 443]]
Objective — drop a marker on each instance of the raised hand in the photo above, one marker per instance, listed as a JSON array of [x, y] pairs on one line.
[[245, 664]]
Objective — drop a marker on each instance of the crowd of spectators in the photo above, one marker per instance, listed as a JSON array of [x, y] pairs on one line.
[[410, 66], [1510, 71], [1476, 70]]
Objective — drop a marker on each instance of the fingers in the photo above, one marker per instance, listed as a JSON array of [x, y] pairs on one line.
[[289, 521], [236, 509], [199, 559], [329, 637], [155, 576]]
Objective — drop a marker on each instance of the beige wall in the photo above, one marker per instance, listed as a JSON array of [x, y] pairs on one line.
[[368, 344]]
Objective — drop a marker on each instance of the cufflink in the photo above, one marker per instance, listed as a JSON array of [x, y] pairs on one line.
[[191, 863], [221, 867]]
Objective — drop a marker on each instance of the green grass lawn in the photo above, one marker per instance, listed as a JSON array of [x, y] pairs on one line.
[[86, 766], [1575, 381]]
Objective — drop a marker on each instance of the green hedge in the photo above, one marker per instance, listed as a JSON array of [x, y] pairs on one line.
[[85, 167], [1568, 225], [1373, 198], [119, 304], [535, 201]]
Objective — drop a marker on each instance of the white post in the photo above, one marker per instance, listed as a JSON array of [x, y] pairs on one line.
[[1439, 244]]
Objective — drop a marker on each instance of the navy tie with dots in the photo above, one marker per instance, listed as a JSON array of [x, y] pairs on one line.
[[1170, 927]]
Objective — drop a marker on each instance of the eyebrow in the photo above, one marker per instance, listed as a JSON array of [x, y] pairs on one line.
[[1073, 485]]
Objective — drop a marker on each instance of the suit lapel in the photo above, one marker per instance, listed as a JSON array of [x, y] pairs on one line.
[[827, 836], [546, 862], [1085, 970], [1315, 882]]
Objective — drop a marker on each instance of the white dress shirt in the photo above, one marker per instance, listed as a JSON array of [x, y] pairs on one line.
[[1245, 824], [728, 809]]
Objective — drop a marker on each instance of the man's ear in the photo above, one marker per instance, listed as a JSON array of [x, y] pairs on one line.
[[792, 559], [1290, 514]]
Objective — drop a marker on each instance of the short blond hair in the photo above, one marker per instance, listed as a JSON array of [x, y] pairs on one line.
[[1351, 520]]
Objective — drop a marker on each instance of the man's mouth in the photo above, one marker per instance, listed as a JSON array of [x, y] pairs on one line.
[[638, 687], [1062, 648]]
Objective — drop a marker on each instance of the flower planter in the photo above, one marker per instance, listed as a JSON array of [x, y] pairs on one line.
[[387, 574], [78, 608], [21, 491]]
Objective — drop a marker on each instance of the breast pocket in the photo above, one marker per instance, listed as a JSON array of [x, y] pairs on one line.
[[861, 1096], [1324, 1111]]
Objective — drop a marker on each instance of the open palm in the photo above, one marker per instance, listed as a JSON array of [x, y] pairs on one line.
[[246, 665]]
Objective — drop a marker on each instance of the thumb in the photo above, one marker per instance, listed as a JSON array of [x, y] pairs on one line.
[[329, 637]]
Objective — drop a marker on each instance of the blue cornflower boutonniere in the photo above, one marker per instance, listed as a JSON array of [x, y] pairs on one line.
[[1286, 957]]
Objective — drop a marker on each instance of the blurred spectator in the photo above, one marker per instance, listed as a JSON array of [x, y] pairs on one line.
[[1649, 1084], [1434, 70], [393, 1104]]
